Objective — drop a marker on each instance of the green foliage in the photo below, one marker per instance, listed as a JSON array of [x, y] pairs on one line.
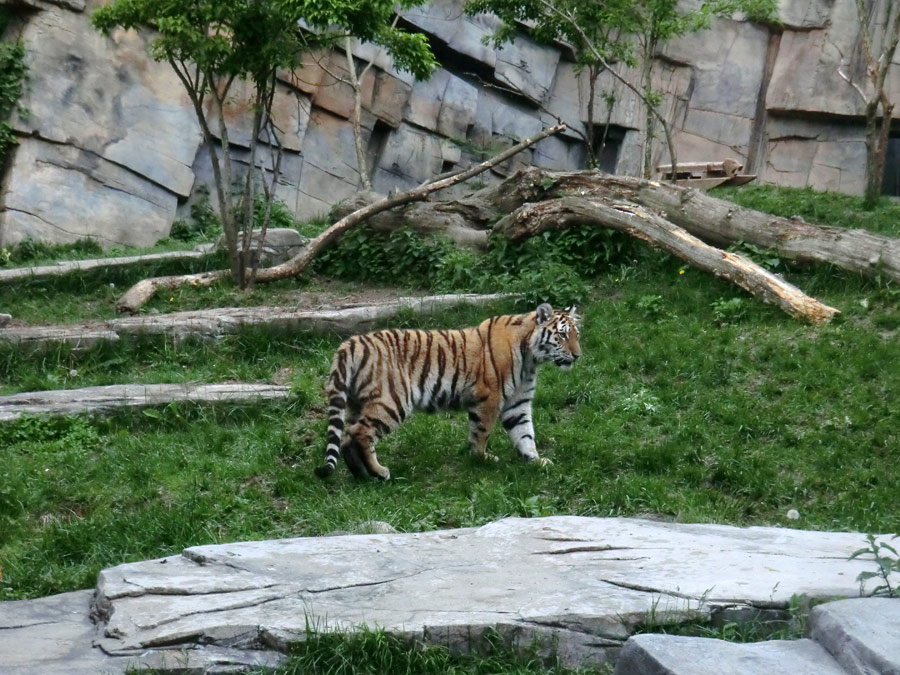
[[744, 626], [653, 306], [204, 225], [729, 310], [13, 73], [550, 268], [401, 256], [887, 563], [31, 252]]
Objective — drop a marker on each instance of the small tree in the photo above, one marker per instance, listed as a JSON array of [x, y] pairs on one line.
[[211, 44], [655, 22], [591, 29], [884, 17]]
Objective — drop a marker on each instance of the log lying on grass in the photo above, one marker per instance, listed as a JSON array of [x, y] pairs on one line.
[[107, 398], [214, 322], [718, 221], [532, 219], [69, 266]]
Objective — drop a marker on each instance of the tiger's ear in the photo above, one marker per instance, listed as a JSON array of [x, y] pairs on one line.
[[544, 313], [571, 311]]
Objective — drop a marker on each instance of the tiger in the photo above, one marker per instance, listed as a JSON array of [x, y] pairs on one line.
[[489, 370]]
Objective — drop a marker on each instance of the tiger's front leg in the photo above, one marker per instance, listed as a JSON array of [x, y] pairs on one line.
[[482, 417], [516, 419]]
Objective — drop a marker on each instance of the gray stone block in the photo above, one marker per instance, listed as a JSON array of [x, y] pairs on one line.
[[457, 111], [61, 193], [862, 634], [527, 67], [107, 97], [677, 655], [410, 156], [53, 636]]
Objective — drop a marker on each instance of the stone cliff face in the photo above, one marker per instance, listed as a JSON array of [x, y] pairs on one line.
[[110, 147]]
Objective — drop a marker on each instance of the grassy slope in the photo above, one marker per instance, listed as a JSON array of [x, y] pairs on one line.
[[693, 402]]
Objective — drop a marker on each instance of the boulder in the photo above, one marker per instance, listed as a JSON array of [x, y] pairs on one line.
[[281, 244], [678, 655], [862, 634]]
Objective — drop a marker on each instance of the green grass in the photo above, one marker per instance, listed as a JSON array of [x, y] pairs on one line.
[[671, 413], [821, 208], [375, 652], [693, 402]]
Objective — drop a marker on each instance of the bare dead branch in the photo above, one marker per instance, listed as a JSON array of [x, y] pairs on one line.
[[144, 290]]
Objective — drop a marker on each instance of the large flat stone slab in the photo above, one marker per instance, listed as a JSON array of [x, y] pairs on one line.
[[583, 582], [862, 634], [55, 636], [52, 636], [678, 655]]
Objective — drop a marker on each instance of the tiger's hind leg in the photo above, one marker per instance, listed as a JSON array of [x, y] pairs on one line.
[[373, 423], [482, 417], [350, 453]]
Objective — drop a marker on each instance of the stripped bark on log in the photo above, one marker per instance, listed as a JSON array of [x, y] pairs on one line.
[[718, 221], [68, 266], [214, 322], [532, 219], [104, 399]]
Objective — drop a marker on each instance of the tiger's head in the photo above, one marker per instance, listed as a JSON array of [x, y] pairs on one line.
[[556, 336]]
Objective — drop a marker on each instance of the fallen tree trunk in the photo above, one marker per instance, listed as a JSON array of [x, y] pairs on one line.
[[712, 220], [139, 294], [214, 322], [532, 219], [68, 266], [718, 221], [104, 399], [715, 221]]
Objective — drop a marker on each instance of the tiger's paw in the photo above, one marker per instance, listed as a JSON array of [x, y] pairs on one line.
[[544, 461], [488, 457]]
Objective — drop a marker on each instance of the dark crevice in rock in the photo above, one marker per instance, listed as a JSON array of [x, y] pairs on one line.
[[583, 549]]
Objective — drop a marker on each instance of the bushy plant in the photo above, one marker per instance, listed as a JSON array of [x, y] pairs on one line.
[[204, 224], [729, 310], [30, 251], [13, 73]]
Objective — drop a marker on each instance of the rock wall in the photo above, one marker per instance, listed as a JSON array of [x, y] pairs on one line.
[[110, 148]]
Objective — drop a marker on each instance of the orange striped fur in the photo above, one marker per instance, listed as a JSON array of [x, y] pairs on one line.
[[379, 378]]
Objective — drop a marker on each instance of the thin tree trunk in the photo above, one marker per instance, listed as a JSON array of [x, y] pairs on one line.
[[593, 73], [649, 109], [143, 291], [365, 182]]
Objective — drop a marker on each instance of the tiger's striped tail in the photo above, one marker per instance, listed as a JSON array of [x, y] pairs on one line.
[[337, 410]]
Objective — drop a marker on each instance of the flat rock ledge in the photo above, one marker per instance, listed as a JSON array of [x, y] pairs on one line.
[[582, 584]]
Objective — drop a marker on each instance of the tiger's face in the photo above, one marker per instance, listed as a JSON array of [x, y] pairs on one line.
[[557, 336]]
